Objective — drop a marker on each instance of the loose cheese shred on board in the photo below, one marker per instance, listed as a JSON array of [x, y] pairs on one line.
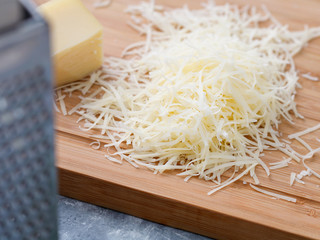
[[292, 178], [61, 101], [283, 162], [102, 4], [303, 132], [54, 104], [299, 180], [280, 165], [95, 145], [308, 76], [303, 143], [203, 94], [276, 195]]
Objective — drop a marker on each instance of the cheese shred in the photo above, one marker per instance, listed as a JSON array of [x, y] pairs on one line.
[[275, 195], [102, 3], [309, 77]]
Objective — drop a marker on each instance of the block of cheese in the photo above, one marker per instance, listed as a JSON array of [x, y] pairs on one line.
[[76, 37]]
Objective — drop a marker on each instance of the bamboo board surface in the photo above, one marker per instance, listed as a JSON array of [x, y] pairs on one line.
[[236, 212]]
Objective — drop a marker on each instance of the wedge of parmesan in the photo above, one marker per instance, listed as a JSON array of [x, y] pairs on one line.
[[76, 39]]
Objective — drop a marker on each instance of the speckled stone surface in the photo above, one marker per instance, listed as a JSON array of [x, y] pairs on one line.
[[83, 221]]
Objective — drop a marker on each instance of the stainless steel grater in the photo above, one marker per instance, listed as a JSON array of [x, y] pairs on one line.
[[27, 171]]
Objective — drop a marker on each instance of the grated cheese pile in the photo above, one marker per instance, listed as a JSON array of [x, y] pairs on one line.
[[204, 93]]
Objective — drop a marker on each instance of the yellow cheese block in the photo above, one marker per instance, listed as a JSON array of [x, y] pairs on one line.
[[76, 37]]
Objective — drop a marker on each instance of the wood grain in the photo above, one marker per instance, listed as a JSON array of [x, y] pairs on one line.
[[237, 212]]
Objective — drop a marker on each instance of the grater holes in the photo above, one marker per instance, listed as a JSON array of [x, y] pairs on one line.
[[17, 171], [11, 189], [29, 204], [38, 71], [5, 177]]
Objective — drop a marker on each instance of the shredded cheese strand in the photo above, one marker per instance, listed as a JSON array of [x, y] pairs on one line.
[[309, 77], [102, 4], [61, 102], [276, 195], [306, 131]]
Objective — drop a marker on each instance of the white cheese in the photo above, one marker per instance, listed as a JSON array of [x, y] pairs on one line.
[[292, 178], [276, 195], [102, 4], [62, 103], [306, 131], [309, 77], [95, 145], [203, 94]]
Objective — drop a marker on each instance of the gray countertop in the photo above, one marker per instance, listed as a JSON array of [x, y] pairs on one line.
[[83, 221]]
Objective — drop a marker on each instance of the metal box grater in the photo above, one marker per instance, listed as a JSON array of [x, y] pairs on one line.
[[27, 171]]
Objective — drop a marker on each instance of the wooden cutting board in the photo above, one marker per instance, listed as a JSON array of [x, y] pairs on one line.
[[236, 212]]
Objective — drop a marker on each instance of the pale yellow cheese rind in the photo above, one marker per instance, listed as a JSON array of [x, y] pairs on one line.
[[76, 37]]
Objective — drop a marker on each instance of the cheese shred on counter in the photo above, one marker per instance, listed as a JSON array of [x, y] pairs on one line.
[[203, 94]]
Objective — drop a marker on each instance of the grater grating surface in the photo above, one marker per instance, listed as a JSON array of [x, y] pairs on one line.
[[27, 173]]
